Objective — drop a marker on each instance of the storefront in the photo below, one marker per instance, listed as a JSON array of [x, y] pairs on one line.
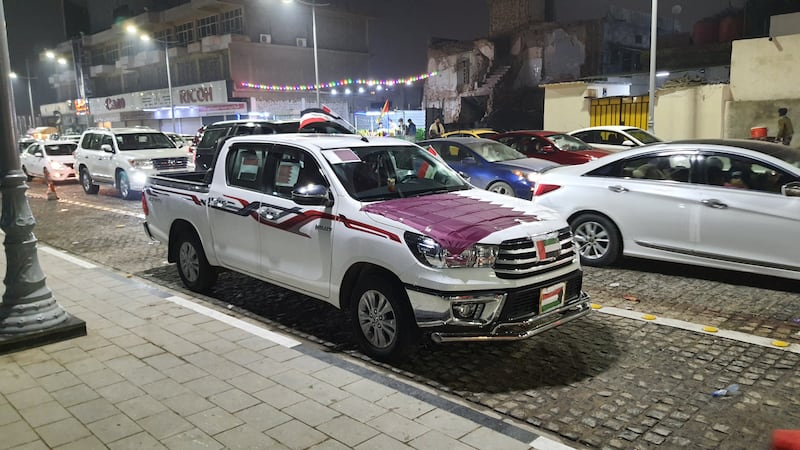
[[191, 104], [69, 117]]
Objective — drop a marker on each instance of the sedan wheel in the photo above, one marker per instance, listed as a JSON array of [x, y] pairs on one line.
[[598, 239], [27, 174], [502, 187]]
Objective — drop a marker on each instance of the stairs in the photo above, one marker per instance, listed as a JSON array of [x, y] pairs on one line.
[[491, 80]]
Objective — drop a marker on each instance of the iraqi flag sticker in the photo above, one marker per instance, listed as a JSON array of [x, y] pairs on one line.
[[551, 297]]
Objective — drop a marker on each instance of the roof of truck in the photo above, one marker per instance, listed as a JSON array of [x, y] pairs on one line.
[[321, 140]]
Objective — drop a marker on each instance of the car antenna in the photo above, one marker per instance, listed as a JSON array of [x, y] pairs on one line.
[[364, 138]]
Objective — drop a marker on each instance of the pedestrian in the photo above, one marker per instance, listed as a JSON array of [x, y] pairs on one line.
[[785, 129], [401, 128], [436, 130], [411, 130]]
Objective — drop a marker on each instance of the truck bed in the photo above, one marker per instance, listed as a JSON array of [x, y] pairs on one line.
[[190, 181]]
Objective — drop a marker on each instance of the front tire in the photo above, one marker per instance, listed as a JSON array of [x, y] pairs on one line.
[[382, 320], [86, 181], [193, 267], [599, 240], [501, 187], [124, 186], [24, 170]]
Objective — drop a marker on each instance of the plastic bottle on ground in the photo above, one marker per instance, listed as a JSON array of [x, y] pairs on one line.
[[730, 390]]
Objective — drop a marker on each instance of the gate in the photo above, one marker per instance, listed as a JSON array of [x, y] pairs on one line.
[[630, 111]]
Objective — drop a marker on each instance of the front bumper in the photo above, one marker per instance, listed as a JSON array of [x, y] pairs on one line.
[[503, 315]]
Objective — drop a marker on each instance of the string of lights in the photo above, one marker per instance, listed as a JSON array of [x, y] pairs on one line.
[[335, 84]]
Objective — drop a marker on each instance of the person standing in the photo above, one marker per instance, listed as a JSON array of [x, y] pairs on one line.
[[436, 129], [411, 130], [785, 129]]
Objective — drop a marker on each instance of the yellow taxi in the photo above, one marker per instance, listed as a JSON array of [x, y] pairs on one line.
[[476, 132]]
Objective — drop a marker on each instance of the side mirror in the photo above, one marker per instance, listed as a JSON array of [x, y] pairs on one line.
[[38, 154], [312, 195], [464, 176], [107, 148], [628, 143], [791, 189]]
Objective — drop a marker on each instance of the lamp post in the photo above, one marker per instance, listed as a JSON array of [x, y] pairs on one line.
[[313, 4], [651, 107], [27, 78], [131, 29]]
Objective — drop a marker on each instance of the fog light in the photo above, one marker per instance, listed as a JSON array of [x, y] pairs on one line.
[[467, 310]]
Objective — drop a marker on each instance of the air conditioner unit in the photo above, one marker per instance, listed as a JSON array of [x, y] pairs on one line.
[[265, 38], [301, 42]]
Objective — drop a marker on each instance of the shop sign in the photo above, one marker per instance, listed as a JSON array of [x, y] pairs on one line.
[[113, 104], [202, 94]]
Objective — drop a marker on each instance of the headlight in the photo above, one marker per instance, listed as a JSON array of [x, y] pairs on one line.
[[429, 252], [530, 176], [56, 165], [141, 163]]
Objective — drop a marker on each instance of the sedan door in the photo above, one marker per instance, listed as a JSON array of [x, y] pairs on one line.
[[746, 219], [34, 165], [462, 159]]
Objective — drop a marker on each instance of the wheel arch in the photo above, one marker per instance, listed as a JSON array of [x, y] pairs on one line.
[[354, 274], [179, 227]]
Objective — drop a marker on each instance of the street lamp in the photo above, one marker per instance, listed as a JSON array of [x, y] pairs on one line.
[[132, 30], [313, 4]]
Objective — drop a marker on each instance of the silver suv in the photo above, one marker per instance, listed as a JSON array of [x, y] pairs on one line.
[[124, 157]]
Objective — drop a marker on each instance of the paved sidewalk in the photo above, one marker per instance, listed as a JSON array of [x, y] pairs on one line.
[[160, 371]]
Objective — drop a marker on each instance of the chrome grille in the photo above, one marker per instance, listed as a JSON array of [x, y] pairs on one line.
[[70, 165], [170, 163], [524, 303], [520, 258]]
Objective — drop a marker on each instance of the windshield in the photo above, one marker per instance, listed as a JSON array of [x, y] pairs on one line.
[[381, 173], [494, 151], [60, 149], [642, 136], [143, 141], [568, 143]]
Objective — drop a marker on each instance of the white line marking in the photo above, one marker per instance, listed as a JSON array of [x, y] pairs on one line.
[[89, 205], [67, 257], [689, 326], [545, 443], [234, 322]]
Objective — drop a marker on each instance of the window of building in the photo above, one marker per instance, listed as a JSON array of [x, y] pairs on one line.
[[184, 33], [126, 48], [165, 36], [463, 71], [210, 68], [231, 22], [207, 26]]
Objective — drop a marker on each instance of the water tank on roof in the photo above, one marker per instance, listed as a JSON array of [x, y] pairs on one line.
[[706, 31], [731, 28]]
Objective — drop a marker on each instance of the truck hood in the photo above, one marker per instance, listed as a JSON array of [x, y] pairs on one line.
[[155, 153], [458, 220]]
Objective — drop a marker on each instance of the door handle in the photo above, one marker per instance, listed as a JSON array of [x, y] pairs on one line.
[[265, 214], [713, 203], [617, 188]]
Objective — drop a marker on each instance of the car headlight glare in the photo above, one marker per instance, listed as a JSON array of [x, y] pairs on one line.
[[56, 165], [141, 163], [530, 176], [429, 252]]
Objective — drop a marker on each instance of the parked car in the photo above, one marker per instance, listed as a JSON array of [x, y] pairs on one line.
[[377, 227], [24, 142], [51, 159], [180, 140], [71, 138], [614, 138], [477, 132], [124, 157], [491, 165], [550, 145], [730, 204]]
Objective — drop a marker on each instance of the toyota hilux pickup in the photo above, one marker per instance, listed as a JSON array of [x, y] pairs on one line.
[[380, 228]]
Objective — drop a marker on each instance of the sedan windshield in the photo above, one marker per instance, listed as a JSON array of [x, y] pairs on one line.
[[380, 173], [642, 136], [568, 143], [60, 149], [143, 141], [493, 151]]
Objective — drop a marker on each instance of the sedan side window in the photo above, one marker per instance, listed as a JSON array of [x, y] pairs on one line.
[[662, 167]]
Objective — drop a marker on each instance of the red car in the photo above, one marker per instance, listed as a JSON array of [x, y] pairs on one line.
[[550, 145]]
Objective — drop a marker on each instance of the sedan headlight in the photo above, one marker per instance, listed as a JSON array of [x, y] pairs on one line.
[[530, 176], [141, 163], [55, 165], [429, 252]]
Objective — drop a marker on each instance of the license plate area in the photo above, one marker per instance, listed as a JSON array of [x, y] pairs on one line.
[[552, 297]]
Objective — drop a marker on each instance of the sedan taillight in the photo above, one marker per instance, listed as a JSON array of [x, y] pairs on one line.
[[542, 188]]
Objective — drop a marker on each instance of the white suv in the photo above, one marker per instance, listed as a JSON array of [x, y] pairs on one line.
[[124, 157]]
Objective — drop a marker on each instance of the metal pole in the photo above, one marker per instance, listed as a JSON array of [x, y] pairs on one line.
[[314, 37], [652, 98], [30, 93], [28, 307], [169, 86]]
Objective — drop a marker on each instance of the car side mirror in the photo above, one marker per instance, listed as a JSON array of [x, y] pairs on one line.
[[464, 176], [107, 148], [628, 143], [312, 195], [38, 154], [791, 189]]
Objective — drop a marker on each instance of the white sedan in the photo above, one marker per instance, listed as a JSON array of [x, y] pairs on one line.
[[729, 204], [49, 158], [614, 138]]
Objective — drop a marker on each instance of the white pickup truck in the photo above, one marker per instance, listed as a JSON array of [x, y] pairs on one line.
[[378, 227]]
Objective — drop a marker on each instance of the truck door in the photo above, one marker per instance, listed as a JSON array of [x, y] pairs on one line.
[[295, 239], [233, 201]]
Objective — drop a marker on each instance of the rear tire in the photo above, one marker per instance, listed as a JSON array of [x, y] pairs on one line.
[[86, 181], [382, 319], [599, 240], [193, 267]]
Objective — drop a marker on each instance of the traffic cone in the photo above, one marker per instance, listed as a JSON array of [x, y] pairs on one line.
[[51, 188]]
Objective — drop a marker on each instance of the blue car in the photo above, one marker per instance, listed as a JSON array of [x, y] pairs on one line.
[[491, 165]]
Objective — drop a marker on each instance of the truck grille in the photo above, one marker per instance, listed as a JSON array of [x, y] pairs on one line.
[[170, 163], [526, 257], [524, 303]]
